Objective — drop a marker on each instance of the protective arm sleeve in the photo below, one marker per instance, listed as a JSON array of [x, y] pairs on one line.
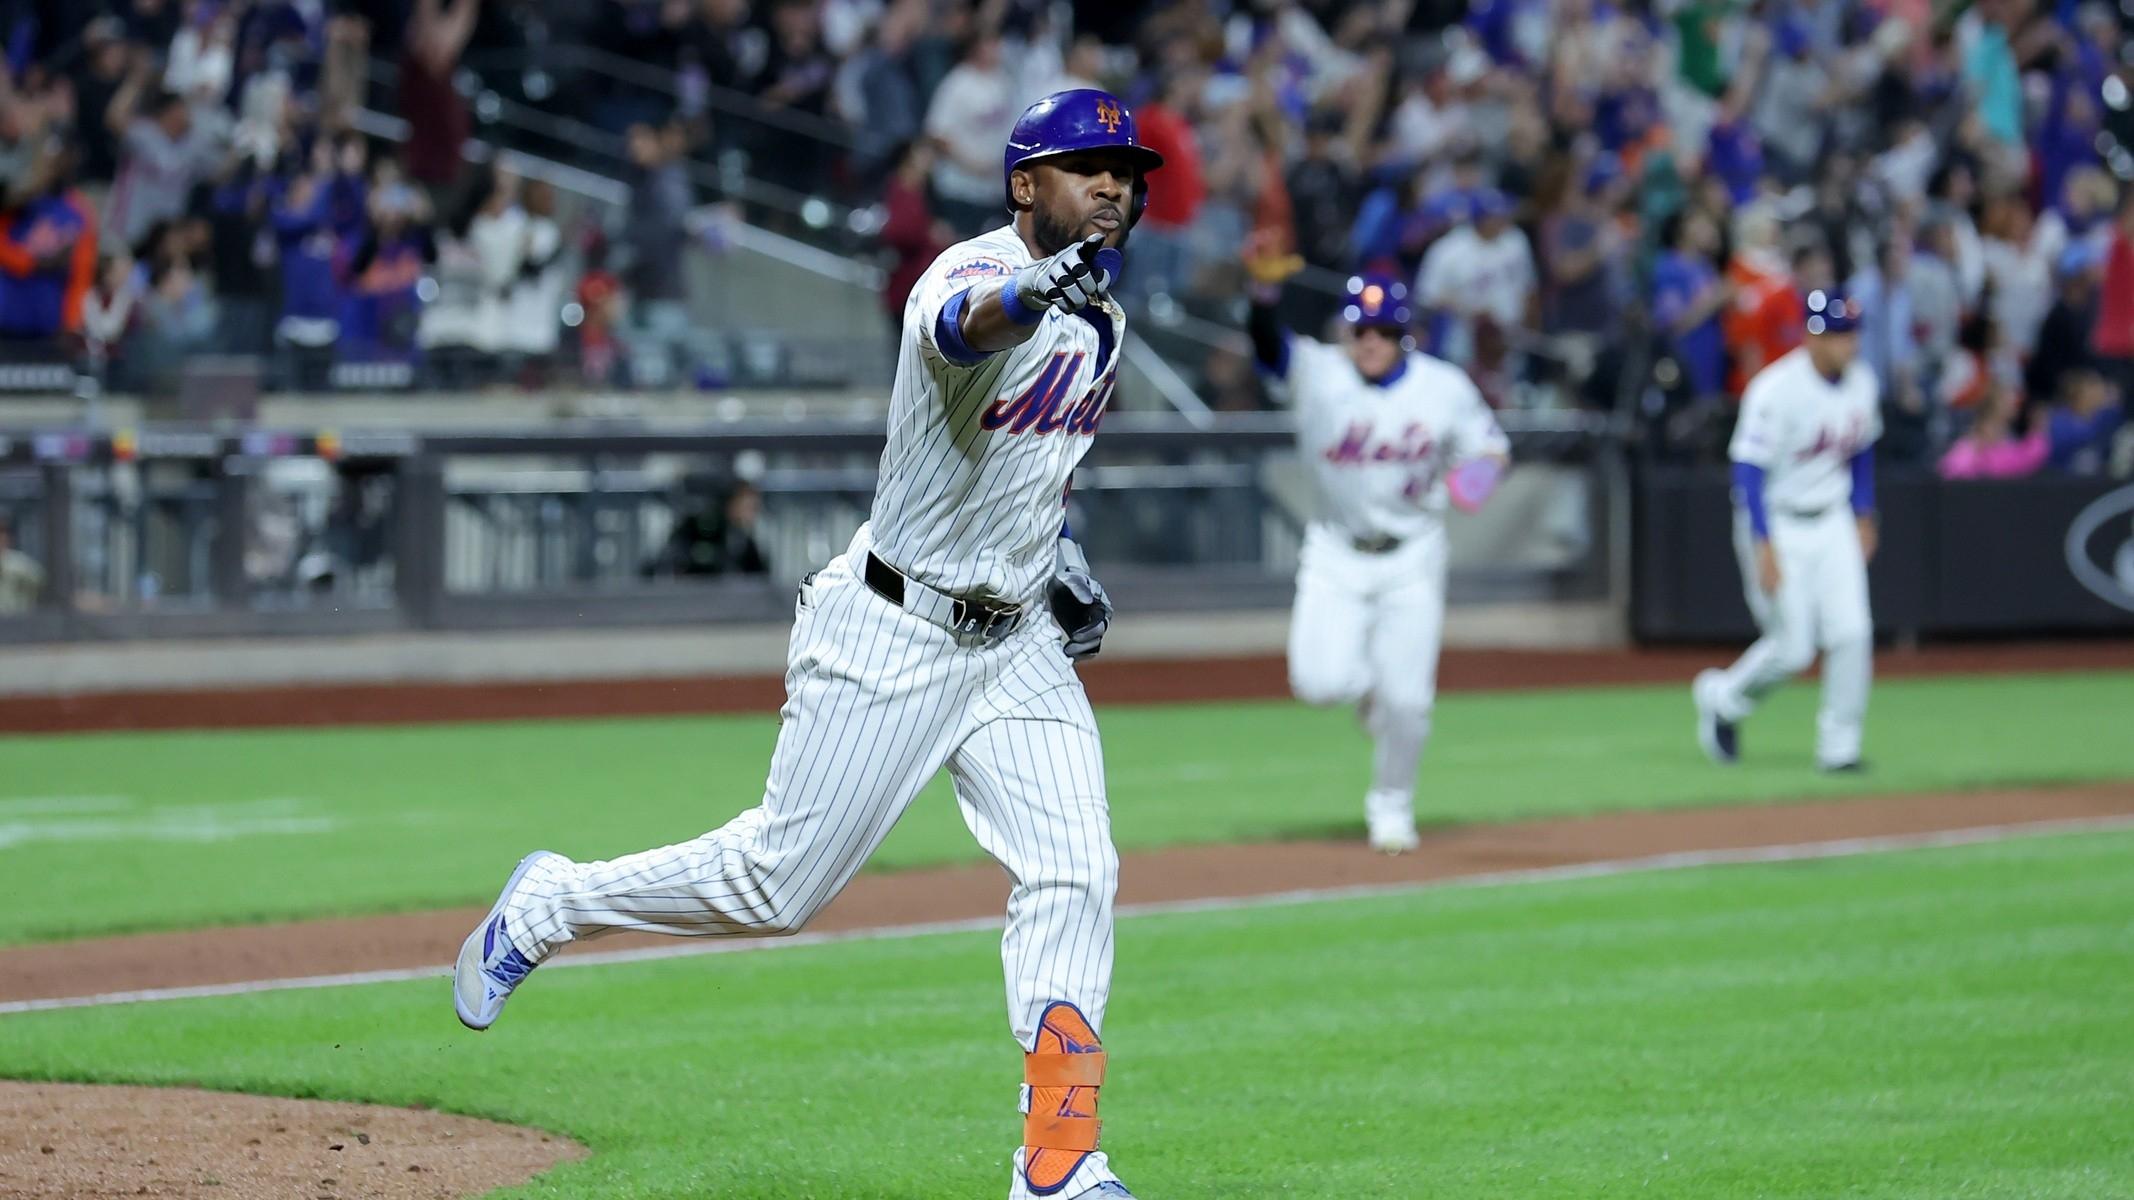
[[1863, 481], [1270, 342], [1749, 486]]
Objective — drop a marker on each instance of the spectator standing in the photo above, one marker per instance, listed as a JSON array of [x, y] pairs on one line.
[[911, 233], [106, 64], [108, 313], [1481, 272], [2019, 266], [1952, 193], [652, 242], [2113, 337], [241, 255], [879, 90], [1324, 189], [21, 579], [2064, 340], [1765, 317], [536, 300], [601, 305], [381, 309], [47, 252], [1888, 344], [311, 295], [1887, 339], [1163, 247], [497, 236], [1990, 72], [796, 78], [972, 111], [1688, 296], [1584, 255], [437, 35], [176, 313], [162, 155], [1789, 113], [1937, 299]]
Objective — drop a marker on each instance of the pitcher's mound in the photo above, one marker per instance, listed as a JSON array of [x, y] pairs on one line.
[[80, 1142]]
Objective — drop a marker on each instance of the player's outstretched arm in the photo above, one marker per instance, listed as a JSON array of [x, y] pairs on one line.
[[999, 316], [1270, 266]]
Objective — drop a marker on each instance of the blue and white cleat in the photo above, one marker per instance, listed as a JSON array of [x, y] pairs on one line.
[[489, 965]]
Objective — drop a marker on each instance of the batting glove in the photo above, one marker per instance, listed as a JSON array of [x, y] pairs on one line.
[[1069, 281], [1078, 603]]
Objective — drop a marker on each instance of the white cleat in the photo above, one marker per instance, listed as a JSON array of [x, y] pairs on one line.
[[1092, 1179], [1390, 817], [1719, 738], [489, 966]]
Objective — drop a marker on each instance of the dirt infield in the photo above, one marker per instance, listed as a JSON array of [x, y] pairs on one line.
[[1109, 682], [86, 1143], [209, 957]]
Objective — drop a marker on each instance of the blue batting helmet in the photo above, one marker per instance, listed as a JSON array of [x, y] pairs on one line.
[[1074, 121], [1376, 300], [1830, 312]]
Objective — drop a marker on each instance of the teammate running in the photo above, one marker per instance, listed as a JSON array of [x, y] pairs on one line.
[[1388, 434]]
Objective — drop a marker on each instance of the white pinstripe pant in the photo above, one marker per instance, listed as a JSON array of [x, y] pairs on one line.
[[877, 701]]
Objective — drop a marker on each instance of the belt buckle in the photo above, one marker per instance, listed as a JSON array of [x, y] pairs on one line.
[[976, 620]]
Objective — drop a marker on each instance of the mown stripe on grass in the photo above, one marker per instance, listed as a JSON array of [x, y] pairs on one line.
[[1682, 860]]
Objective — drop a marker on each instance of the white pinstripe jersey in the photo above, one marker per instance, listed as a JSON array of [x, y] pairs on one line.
[[1803, 430], [973, 482], [1378, 452]]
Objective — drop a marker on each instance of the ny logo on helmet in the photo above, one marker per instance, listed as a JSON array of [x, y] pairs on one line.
[[1109, 116]]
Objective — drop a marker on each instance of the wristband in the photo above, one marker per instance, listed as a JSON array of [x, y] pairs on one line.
[[1012, 306]]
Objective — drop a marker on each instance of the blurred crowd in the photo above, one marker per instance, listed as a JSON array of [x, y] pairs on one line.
[[1624, 202], [185, 177], [1615, 205]]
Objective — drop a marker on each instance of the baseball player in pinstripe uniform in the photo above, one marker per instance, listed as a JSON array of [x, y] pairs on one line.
[[945, 636], [1389, 436]]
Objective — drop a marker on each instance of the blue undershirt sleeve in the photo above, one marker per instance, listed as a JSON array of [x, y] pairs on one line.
[[1863, 481], [1749, 486]]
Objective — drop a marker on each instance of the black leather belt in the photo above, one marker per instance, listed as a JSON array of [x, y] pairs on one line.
[[1383, 543], [973, 618]]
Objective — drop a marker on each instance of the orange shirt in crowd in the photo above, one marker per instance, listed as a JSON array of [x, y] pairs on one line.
[[1763, 322]]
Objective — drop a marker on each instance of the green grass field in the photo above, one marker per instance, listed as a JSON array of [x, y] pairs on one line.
[[1928, 1025], [113, 833]]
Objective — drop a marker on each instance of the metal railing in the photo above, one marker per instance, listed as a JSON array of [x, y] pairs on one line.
[[192, 532]]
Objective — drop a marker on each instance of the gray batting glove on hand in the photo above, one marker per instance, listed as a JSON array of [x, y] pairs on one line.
[[1069, 281], [1078, 603]]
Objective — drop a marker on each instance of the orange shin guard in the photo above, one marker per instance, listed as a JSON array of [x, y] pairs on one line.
[[1063, 1073]]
